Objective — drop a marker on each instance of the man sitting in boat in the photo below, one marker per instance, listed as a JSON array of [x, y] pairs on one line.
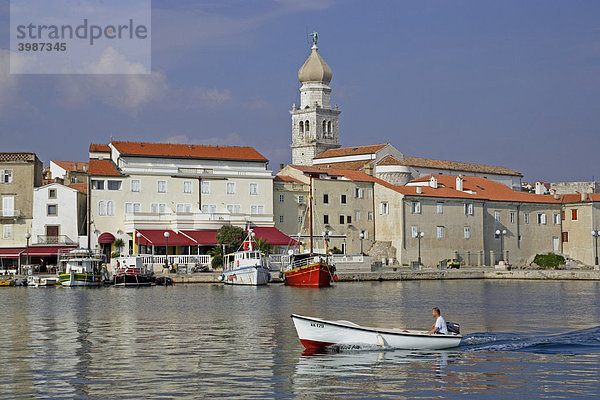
[[440, 324]]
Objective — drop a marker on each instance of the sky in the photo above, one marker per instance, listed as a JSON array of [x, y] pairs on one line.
[[507, 83]]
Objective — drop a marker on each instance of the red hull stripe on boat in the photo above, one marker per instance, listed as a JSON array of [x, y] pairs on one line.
[[314, 344], [312, 275]]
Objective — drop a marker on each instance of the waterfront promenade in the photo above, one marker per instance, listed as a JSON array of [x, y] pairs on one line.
[[405, 274]]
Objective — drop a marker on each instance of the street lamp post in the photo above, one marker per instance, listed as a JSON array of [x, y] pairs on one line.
[[326, 238], [362, 237], [27, 237], [596, 234], [138, 236], [501, 234], [419, 236], [167, 234]]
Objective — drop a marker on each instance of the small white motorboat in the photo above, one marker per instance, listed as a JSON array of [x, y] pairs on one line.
[[41, 281], [317, 333], [247, 266]]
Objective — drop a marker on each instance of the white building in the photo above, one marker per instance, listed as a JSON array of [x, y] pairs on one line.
[[59, 214], [188, 190]]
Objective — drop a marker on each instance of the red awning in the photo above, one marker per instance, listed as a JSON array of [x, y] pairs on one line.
[[34, 251], [203, 238], [273, 236], [156, 237], [106, 238]]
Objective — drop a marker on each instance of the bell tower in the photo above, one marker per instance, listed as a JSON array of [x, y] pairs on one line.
[[315, 125]]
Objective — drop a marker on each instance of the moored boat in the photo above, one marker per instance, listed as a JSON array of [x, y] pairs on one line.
[[41, 281], [317, 333], [247, 266], [80, 268], [307, 270], [7, 281], [131, 271]]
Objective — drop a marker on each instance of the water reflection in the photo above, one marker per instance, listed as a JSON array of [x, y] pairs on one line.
[[223, 341]]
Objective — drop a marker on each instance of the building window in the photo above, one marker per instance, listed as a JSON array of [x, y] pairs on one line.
[[102, 208], [556, 219], [281, 198], [440, 207], [187, 186], [365, 234], [301, 128], [306, 126], [440, 232], [300, 219], [415, 207], [469, 209], [114, 185], [257, 209], [184, 208], [74, 179], [512, 217], [325, 219], [209, 208], [136, 185], [230, 187], [205, 187], [158, 208], [325, 199], [562, 213], [349, 219], [254, 189], [342, 220], [132, 208], [526, 217], [467, 232], [369, 193], [97, 185], [343, 199], [574, 214], [51, 193], [6, 176], [357, 215], [52, 210], [110, 208], [161, 186], [7, 232], [300, 199], [565, 237], [384, 208], [370, 216], [281, 219], [359, 193], [497, 216], [541, 219], [234, 208], [414, 231]]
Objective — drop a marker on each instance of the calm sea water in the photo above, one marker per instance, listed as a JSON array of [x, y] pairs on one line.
[[523, 339]]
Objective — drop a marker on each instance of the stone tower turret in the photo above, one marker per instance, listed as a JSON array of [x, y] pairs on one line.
[[315, 125]]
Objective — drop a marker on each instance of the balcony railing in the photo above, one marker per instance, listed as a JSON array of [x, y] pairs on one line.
[[58, 239], [10, 213], [181, 259]]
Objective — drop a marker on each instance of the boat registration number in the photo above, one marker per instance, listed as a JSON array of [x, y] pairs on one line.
[[317, 325]]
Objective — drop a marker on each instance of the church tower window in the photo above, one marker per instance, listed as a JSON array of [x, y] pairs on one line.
[[301, 130], [307, 127]]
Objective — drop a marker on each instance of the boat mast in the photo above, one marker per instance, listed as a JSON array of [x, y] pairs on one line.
[[89, 205], [310, 212]]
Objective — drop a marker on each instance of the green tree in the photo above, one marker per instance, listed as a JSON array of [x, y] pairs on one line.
[[118, 244], [232, 236]]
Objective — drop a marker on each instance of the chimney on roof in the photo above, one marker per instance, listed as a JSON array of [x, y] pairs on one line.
[[459, 183], [433, 182], [556, 195], [539, 188], [75, 166], [280, 166], [583, 196], [419, 190]]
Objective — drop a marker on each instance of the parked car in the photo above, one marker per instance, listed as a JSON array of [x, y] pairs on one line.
[[449, 263]]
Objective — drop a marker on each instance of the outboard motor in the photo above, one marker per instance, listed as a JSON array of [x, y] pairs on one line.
[[453, 327]]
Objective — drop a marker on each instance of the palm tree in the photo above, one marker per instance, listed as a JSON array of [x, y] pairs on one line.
[[263, 246], [119, 244]]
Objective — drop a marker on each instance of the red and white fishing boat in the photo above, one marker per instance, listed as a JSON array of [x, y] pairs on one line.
[[314, 270], [131, 271], [317, 333]]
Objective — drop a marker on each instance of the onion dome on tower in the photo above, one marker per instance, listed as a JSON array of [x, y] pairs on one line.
[[315, 69]]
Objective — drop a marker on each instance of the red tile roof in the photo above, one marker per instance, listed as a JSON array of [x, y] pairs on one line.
[[285, 178], [390, 160], [73, 166], [80, 187], [99, 148], [352, 151], [484, 189], [351, 175], [188, 151], [103, 168], [355, 165], [576, 198], [416, 162]]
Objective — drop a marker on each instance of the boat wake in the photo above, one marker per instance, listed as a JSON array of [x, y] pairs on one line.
[[583, 341]]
